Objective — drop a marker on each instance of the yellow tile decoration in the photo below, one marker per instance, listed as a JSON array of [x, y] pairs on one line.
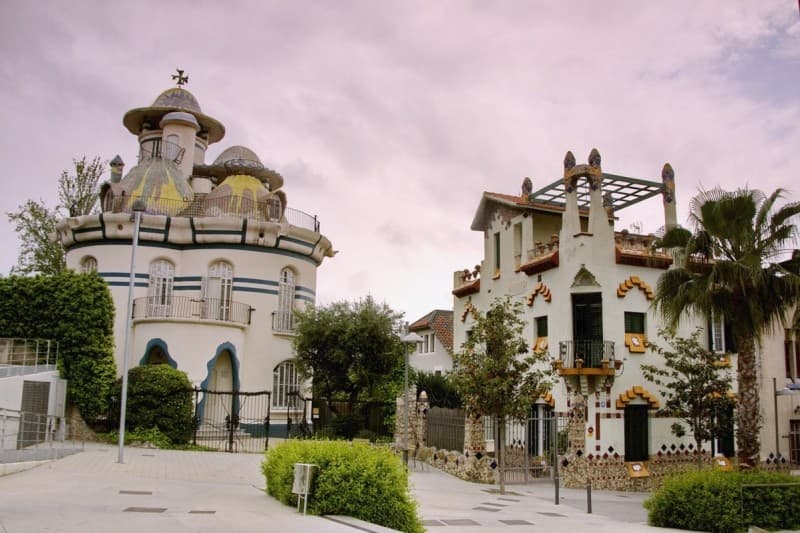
[[635, 281]]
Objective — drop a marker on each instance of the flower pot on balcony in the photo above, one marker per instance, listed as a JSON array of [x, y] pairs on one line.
[[578, 363]]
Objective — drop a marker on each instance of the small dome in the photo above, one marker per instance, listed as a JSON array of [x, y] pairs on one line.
[[177, 98], [240, 160], [236, 154], [160, 183], [239, 195]]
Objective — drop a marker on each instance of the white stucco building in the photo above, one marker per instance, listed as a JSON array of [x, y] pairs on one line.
[[222, 260], [587, 291], [434, 353]]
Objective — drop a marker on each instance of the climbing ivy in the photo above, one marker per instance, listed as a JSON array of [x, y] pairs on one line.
[[77, 311]]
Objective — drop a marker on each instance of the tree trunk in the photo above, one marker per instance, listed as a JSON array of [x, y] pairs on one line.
[[747, 416]]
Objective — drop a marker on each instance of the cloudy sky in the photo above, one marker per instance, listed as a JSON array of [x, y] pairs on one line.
[[389, 119]]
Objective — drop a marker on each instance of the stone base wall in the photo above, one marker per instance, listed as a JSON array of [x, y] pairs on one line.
[[477, 467], [77, 428]]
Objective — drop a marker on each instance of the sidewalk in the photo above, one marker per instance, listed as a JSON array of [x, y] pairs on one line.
[[166, 490]]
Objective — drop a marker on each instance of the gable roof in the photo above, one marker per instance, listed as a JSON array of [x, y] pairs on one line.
[[441, 322]]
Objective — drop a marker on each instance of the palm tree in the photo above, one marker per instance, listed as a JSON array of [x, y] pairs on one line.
[[729, 267]]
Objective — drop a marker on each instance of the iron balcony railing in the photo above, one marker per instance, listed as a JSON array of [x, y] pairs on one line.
[[283, 322], [590, 353], [216, 207], [160, 149], [19, 356], [192, 308]]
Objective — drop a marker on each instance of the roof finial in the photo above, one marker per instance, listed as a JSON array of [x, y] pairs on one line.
[[179, 78]]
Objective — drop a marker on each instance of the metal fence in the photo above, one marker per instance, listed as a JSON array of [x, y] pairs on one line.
[[446, 428], [232, 421], [590, 353], [532, 447], [24, 356], [27, 436]]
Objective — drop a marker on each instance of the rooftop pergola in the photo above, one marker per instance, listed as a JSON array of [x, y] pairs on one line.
[[622, 190]]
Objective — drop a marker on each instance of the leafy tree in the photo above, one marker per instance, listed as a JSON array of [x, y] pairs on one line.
[[495, 372], [350, 350], [35, 223], [695, 386], [77, 311], [441, 390], [729, 267]]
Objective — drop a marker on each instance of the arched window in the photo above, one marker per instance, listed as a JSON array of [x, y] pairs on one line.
[[275, 208], [88, 264], [159, 294], [283, 318], [286, 386], [218, 291]]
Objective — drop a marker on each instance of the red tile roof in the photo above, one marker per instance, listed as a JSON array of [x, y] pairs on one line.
[[441, 322]]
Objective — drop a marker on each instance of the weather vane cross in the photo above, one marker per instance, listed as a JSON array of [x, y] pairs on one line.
[[179, 78]]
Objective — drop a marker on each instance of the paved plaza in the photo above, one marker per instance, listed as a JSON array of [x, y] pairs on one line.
[[175, 491]]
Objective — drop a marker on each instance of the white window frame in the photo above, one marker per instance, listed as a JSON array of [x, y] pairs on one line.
[[717, 336], [218, 291], [88, 264], [159, 292], [285, 380], [284, 316]]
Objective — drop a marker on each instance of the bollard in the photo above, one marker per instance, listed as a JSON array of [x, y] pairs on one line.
[[589, 496]]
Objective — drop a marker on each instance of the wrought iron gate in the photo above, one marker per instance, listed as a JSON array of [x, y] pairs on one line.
[[232, 421], [532, 447]]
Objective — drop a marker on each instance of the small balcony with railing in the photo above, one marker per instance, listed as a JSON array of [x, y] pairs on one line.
[[160, 149], [188, 308], [283, 323], [586, 364]]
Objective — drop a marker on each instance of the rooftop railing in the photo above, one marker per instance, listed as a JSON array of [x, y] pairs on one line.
[[192, 308], [19, 356], [217, 207]]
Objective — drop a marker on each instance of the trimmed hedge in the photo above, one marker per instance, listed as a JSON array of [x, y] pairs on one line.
[[716, 501], [159, 396], [368, 483]]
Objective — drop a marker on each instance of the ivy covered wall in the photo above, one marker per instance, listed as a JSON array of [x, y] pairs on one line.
[[77, 311]]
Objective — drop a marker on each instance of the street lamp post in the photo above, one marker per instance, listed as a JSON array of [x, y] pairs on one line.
[[138, 207], [408, 339]]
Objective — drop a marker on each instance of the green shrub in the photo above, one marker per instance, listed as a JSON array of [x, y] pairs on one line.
[[715, 501], [359, 481], [159, 396]]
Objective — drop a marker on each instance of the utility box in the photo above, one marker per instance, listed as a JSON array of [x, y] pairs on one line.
[[303, 474]]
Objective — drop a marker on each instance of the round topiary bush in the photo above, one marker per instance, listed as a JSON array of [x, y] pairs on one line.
[[159, 396], [357, 480]]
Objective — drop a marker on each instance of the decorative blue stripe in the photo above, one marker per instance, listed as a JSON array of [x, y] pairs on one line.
[[305, 289], [152, 230], [255, 280], [122, 275], [304, 298], [152, 244], [179, 279], [253, 289], [125, 284], [186, 287], [88, 230]]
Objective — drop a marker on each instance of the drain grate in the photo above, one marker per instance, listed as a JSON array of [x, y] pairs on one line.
[[202, 512], [138, 492], [144, 510], [553, 514], [516, 522], [461, 522]]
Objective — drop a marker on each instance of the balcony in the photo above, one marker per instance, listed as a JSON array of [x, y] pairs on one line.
[[160, 149], [586, 357], [192, 309], [587, 366], [219, 207], [283, 323]]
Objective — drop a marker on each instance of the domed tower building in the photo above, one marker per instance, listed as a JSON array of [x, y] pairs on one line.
[[220, 265]]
